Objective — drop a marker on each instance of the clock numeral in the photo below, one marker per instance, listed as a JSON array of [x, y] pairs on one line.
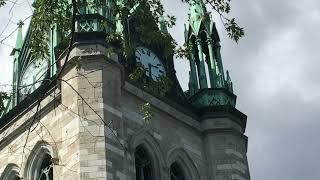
[[148, 53], [143, 51], [138, 58], [161, 71]]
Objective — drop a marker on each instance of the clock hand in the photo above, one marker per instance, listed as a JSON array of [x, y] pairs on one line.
[[150, 73]]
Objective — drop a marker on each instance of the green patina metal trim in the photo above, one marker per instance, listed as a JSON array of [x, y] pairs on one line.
[[229, 82], [201, 69], [213, 97], [203, 35], [53, 44], [212, 65], [193, 82], [197, 12], [221, 79], [16, 64], [163, 25]]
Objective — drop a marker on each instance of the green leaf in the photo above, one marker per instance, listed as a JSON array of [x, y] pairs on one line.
[[3, 96]]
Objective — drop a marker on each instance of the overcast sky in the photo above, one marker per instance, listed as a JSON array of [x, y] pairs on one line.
[[275, 73]]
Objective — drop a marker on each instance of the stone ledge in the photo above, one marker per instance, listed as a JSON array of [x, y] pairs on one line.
[[163, 106]]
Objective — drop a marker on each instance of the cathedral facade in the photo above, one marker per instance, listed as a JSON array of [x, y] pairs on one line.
[[79, 115]]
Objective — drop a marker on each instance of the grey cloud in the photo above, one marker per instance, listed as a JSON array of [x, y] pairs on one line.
[[282, 126], [284, 130]]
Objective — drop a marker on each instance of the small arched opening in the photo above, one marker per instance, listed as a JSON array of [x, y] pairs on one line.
[[40, 163], [176, 172], [181, 166], [143, 163], [11, 172]]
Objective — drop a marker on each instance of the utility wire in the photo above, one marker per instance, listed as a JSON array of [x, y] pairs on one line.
[[10, 12], [1, 41]]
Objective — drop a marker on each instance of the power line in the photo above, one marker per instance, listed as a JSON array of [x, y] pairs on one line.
[[6, 44], [14, 3], [30, 6], [7, 25], [10, 12], [1, 41]]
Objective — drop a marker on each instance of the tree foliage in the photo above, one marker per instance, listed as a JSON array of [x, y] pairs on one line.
[[223, 9], [57, 12], [3, 96], [49, 14], [2, 2]]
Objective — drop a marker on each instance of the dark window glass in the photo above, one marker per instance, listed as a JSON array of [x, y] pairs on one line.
[[143, 164], [176, 172], [46, 171]]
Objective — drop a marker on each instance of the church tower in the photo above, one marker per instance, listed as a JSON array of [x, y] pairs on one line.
[[212, 93], [90, 112], [207, 85]]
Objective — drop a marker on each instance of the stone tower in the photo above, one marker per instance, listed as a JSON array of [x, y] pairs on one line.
[[80, 115]]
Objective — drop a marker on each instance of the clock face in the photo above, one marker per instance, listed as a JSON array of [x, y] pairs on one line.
[[152, 64], [33, 76]]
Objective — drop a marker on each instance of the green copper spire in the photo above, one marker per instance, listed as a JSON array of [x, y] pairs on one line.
[[131, 10], [197, 14], [163, 25], [19, 39], [208, 85], [229, 82], [16, 64], [119, 25], [54, 41], [201, 67]]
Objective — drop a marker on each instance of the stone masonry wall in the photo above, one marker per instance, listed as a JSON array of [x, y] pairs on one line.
[[95, 126]]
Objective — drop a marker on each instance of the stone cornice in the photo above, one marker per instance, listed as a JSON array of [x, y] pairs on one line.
[[163, 104]]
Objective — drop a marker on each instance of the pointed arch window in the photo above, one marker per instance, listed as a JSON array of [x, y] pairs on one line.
[[11, 172], [176, 172], [143, 164], [46, 169], [39, 164]]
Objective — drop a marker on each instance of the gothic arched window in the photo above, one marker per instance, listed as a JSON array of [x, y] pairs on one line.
[[143, 164], [46, 169], [11, 172], [39, 164], [176, 172]]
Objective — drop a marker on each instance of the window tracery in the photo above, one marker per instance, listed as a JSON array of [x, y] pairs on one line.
[[46, 169], [39, 164]]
